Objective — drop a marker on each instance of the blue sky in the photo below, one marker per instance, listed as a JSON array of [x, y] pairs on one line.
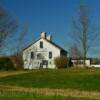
[[51, 16]]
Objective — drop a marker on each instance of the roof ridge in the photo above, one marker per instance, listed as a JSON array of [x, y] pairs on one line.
[[51, 42]]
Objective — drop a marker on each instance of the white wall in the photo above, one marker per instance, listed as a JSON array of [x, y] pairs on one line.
[[95, 66], [47, 47], [87, 62]]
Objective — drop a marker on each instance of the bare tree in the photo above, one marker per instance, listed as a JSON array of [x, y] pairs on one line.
[[20, 45], [74, 52], [21, 37], [7, 26], [84, 34]]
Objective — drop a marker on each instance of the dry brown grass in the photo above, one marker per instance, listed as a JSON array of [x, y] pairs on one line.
[[52, 92], [10, 73]]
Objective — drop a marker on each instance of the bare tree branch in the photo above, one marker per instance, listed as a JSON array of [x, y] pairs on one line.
[[83, 33], [7, 26]]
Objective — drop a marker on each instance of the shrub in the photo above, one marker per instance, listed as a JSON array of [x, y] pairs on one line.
[[70, 63], [61, 62], [6, 64], [17, 61]]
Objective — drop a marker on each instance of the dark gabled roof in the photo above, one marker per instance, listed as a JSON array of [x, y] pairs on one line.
[[31, 44], [54, 44]]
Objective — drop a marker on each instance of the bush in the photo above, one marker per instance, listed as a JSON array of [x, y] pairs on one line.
[[70, 63], [6, 64], [17, 61], [61, 62]]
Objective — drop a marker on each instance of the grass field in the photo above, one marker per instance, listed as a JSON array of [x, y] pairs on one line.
[[82, 79], [74, 83]]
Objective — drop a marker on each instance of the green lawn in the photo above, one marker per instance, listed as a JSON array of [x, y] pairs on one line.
[[74, 78]]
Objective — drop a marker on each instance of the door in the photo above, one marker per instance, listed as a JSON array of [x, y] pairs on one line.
[[45, 63]]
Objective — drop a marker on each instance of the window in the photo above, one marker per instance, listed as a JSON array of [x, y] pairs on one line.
[[39, 56], [50, 55], [32, 55], [45, 62], [41, 44]]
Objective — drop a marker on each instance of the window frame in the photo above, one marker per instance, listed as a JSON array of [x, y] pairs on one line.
[[41, 44], [50, 54], [32, 55]]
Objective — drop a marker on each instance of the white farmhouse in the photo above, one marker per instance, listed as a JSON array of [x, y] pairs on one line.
[[41, 53]]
